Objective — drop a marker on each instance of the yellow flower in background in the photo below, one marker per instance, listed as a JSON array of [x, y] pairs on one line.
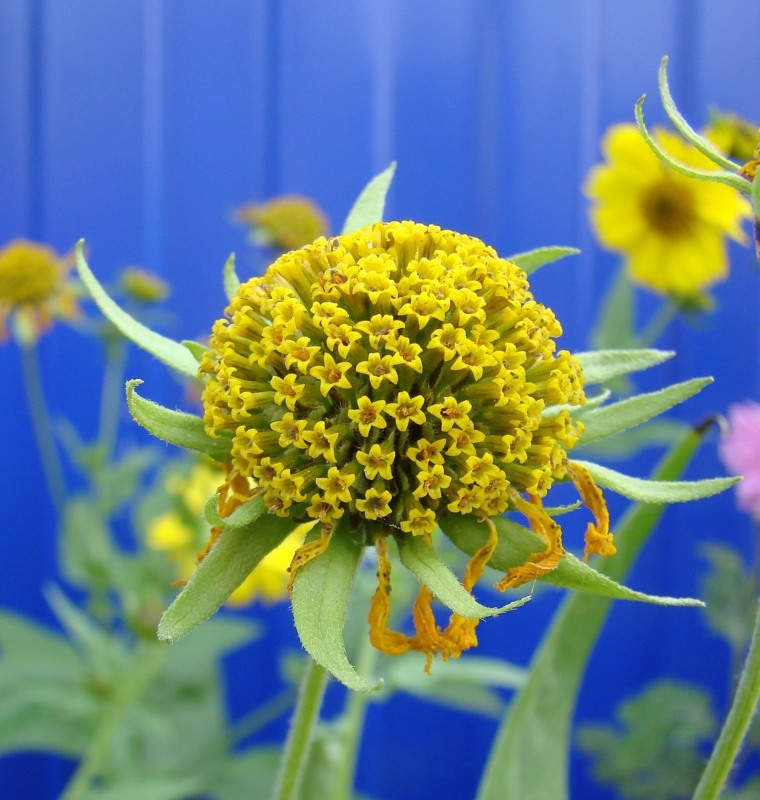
[[735, 137], [34, 289], [182, 532], [143, 286], [671, 229], [285, 223]]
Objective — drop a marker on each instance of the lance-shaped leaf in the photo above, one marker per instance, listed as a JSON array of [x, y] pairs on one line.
[[531, 260], [615, 326], [370, 205], [529, 759], [683, 127], [606, 421], [173, 354], [421, 560], [235, 554], [175, 427], [654, 491], [600, 366], [517, 544], [231, 280], [320, 597]]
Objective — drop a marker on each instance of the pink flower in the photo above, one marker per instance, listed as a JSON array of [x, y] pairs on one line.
[[740, 451]]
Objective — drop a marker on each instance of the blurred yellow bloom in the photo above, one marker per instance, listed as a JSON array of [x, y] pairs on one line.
[[143, 286], [670, 228], [33, 288], [285, 223], [182, 532], [735, 137]]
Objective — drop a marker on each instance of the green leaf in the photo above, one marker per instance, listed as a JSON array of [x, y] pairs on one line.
[[755, 195], [370, 205], [656, 432], [421, 560], [615, 326], [599, 423], [517, 544], [173, 354], [531, 260], [239, 518], [87, 555], [599, 366], [648, 491], [175, 427], [236, 553], [156, 788], [464, 684], [197, 350], [320, 597], [729, 589], [231, 280], [654, 751], [256, 767], [683, 127], [529, 759]]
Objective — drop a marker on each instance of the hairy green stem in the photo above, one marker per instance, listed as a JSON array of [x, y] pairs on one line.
[[297, 746], [658, 324], [148, 660], [737, 723], [43, 428], [352, 724], [112, 395]]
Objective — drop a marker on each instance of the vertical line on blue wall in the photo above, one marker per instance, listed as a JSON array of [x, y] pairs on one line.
[[35, 119], [587, 270], [489, 31], [684, 71], [381, 21], [272, 104], [153, 136]]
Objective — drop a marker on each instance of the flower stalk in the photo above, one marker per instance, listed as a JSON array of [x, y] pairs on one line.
[[737, 723], [304, 720]]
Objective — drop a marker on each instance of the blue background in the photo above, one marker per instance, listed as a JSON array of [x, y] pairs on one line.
[[141, 125]]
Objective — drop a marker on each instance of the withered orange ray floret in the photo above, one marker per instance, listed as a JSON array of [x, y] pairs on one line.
[[391, 375]]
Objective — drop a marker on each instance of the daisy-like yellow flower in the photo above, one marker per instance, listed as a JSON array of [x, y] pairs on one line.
[[34, 289], [671, 229], [284, 222], [182, 532], [431, 405]]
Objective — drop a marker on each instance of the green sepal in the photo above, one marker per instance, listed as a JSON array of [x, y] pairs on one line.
[[173, 354], [235, 554], [320, 598], [239, 518], [529, 758], [649, 491], [592, 402], [711, 176], [230, 277], [531, 260], [421, 560], [599, 366], [517, 544], [599, 423], [175, 427], [683, 127], [197, 350], [370, 205]]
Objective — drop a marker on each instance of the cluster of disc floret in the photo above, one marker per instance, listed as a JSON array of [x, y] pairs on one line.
[[391, 375]]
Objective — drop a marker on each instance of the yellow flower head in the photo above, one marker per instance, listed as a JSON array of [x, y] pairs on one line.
[[285, 222], [182, 532], [670, 228], [435, 403], [737, 138], [376, 382], [33, 287]]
